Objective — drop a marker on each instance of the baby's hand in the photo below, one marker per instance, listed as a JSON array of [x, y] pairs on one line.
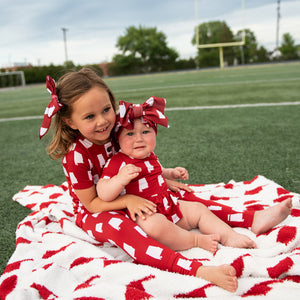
[[127, 173], [175, 173], [180, 173]]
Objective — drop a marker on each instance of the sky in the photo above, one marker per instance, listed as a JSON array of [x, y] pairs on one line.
[[31, 30]]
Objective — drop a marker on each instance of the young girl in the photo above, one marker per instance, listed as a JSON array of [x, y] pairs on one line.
[[84, 109], [136, 170]]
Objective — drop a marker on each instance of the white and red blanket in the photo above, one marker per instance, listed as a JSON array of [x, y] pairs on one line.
[[54, 259]]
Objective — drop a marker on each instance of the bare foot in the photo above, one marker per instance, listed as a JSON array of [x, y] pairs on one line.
[[208, 242], [264, 220], [238, 240], [223, 276]]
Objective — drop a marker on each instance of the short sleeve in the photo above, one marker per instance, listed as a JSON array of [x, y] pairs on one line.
[[78, 169], [111, 168]]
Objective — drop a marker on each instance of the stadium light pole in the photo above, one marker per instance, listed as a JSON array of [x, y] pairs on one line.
[[277, 28], [65, 43]]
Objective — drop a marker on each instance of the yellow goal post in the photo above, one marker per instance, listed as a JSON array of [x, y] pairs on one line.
[[220, 45]]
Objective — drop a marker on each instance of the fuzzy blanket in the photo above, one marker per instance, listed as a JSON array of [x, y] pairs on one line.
[[54, 259]]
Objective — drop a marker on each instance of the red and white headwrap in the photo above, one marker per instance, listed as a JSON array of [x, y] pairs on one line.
[[52, 108], [151, 112]]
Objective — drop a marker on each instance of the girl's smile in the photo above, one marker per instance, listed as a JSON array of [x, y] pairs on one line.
[[93, 115]]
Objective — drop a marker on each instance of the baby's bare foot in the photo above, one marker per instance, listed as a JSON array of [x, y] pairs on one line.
[[264, 220], [223, 276], [237, 240], [208, 242]]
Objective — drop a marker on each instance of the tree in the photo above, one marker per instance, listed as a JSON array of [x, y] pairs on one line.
[[247, 52], [262, 54], [125, 65], [146, 48], [250, 52], [288, 48], [211, 33]]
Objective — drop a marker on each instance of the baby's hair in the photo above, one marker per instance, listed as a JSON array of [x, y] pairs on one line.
[[69, 88]]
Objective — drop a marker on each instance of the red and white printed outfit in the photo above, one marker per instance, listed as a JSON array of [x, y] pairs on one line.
[[83, 166], [149, 184], [151, 113]]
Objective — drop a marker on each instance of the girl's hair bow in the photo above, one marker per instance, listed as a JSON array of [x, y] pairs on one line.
[[151, 112], [52, 108]]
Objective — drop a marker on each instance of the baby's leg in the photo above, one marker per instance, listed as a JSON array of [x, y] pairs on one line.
[[223, 276], [266, 219], [197, 215], [176, 238]]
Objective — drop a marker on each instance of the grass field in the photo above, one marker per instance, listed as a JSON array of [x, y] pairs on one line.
[[215, 145]]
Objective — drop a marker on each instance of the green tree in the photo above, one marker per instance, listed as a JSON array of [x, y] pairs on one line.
[[144, 50], [211, 33], [288, 48], [262, 54], [246, 53], [125, 65], [250, 52]]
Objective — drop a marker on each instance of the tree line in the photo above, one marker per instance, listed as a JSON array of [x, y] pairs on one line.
[[145, 50]]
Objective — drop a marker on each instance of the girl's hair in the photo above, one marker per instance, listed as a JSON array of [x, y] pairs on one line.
[[70, 87]]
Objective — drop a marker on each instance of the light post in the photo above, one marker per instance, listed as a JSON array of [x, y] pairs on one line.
[[65, 43]]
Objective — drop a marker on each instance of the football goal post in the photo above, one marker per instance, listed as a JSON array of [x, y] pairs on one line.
[[219, 45], [12, 79]]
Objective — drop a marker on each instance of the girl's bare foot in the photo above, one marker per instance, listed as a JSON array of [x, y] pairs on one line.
[[264, 220], [223, 276], [237, 240], [208, 242]]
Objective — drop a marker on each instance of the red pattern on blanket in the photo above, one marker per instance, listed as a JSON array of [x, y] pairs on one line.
[[54, 259]]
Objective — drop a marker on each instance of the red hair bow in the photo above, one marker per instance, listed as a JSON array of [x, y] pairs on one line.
[[151, 112], [52, 108]]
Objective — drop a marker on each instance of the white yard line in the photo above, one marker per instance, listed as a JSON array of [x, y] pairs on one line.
[[233, 106], [21, 118], [179, 86], [182, 108]]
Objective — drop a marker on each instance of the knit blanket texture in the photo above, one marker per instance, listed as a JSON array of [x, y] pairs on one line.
[[55, 259]]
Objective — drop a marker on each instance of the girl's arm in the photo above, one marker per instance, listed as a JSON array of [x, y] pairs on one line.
[[136, 205], [109, 189]]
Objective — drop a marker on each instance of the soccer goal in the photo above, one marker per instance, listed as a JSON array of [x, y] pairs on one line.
[[12, 79], [220, 45]]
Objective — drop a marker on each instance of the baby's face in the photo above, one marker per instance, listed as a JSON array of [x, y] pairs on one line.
[[139, 142]]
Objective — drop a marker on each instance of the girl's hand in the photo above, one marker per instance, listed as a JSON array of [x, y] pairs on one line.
[[176, 186], [139, 206]]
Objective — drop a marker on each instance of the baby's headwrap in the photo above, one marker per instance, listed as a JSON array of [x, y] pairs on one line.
[[52, 108], [151, 112]]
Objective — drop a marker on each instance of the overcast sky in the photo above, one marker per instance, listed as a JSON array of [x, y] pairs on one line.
[[31, 30]]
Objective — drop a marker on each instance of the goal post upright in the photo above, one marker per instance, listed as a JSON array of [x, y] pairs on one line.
[[219, 45], [14, 78]]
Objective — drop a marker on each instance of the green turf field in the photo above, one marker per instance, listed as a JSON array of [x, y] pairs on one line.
[[213, 144]]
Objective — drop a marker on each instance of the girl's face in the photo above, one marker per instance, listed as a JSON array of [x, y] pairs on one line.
[[138, 142], [93, 115]]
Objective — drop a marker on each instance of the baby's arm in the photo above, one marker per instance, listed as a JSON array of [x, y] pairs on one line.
[[109, 189], [175, 173]]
